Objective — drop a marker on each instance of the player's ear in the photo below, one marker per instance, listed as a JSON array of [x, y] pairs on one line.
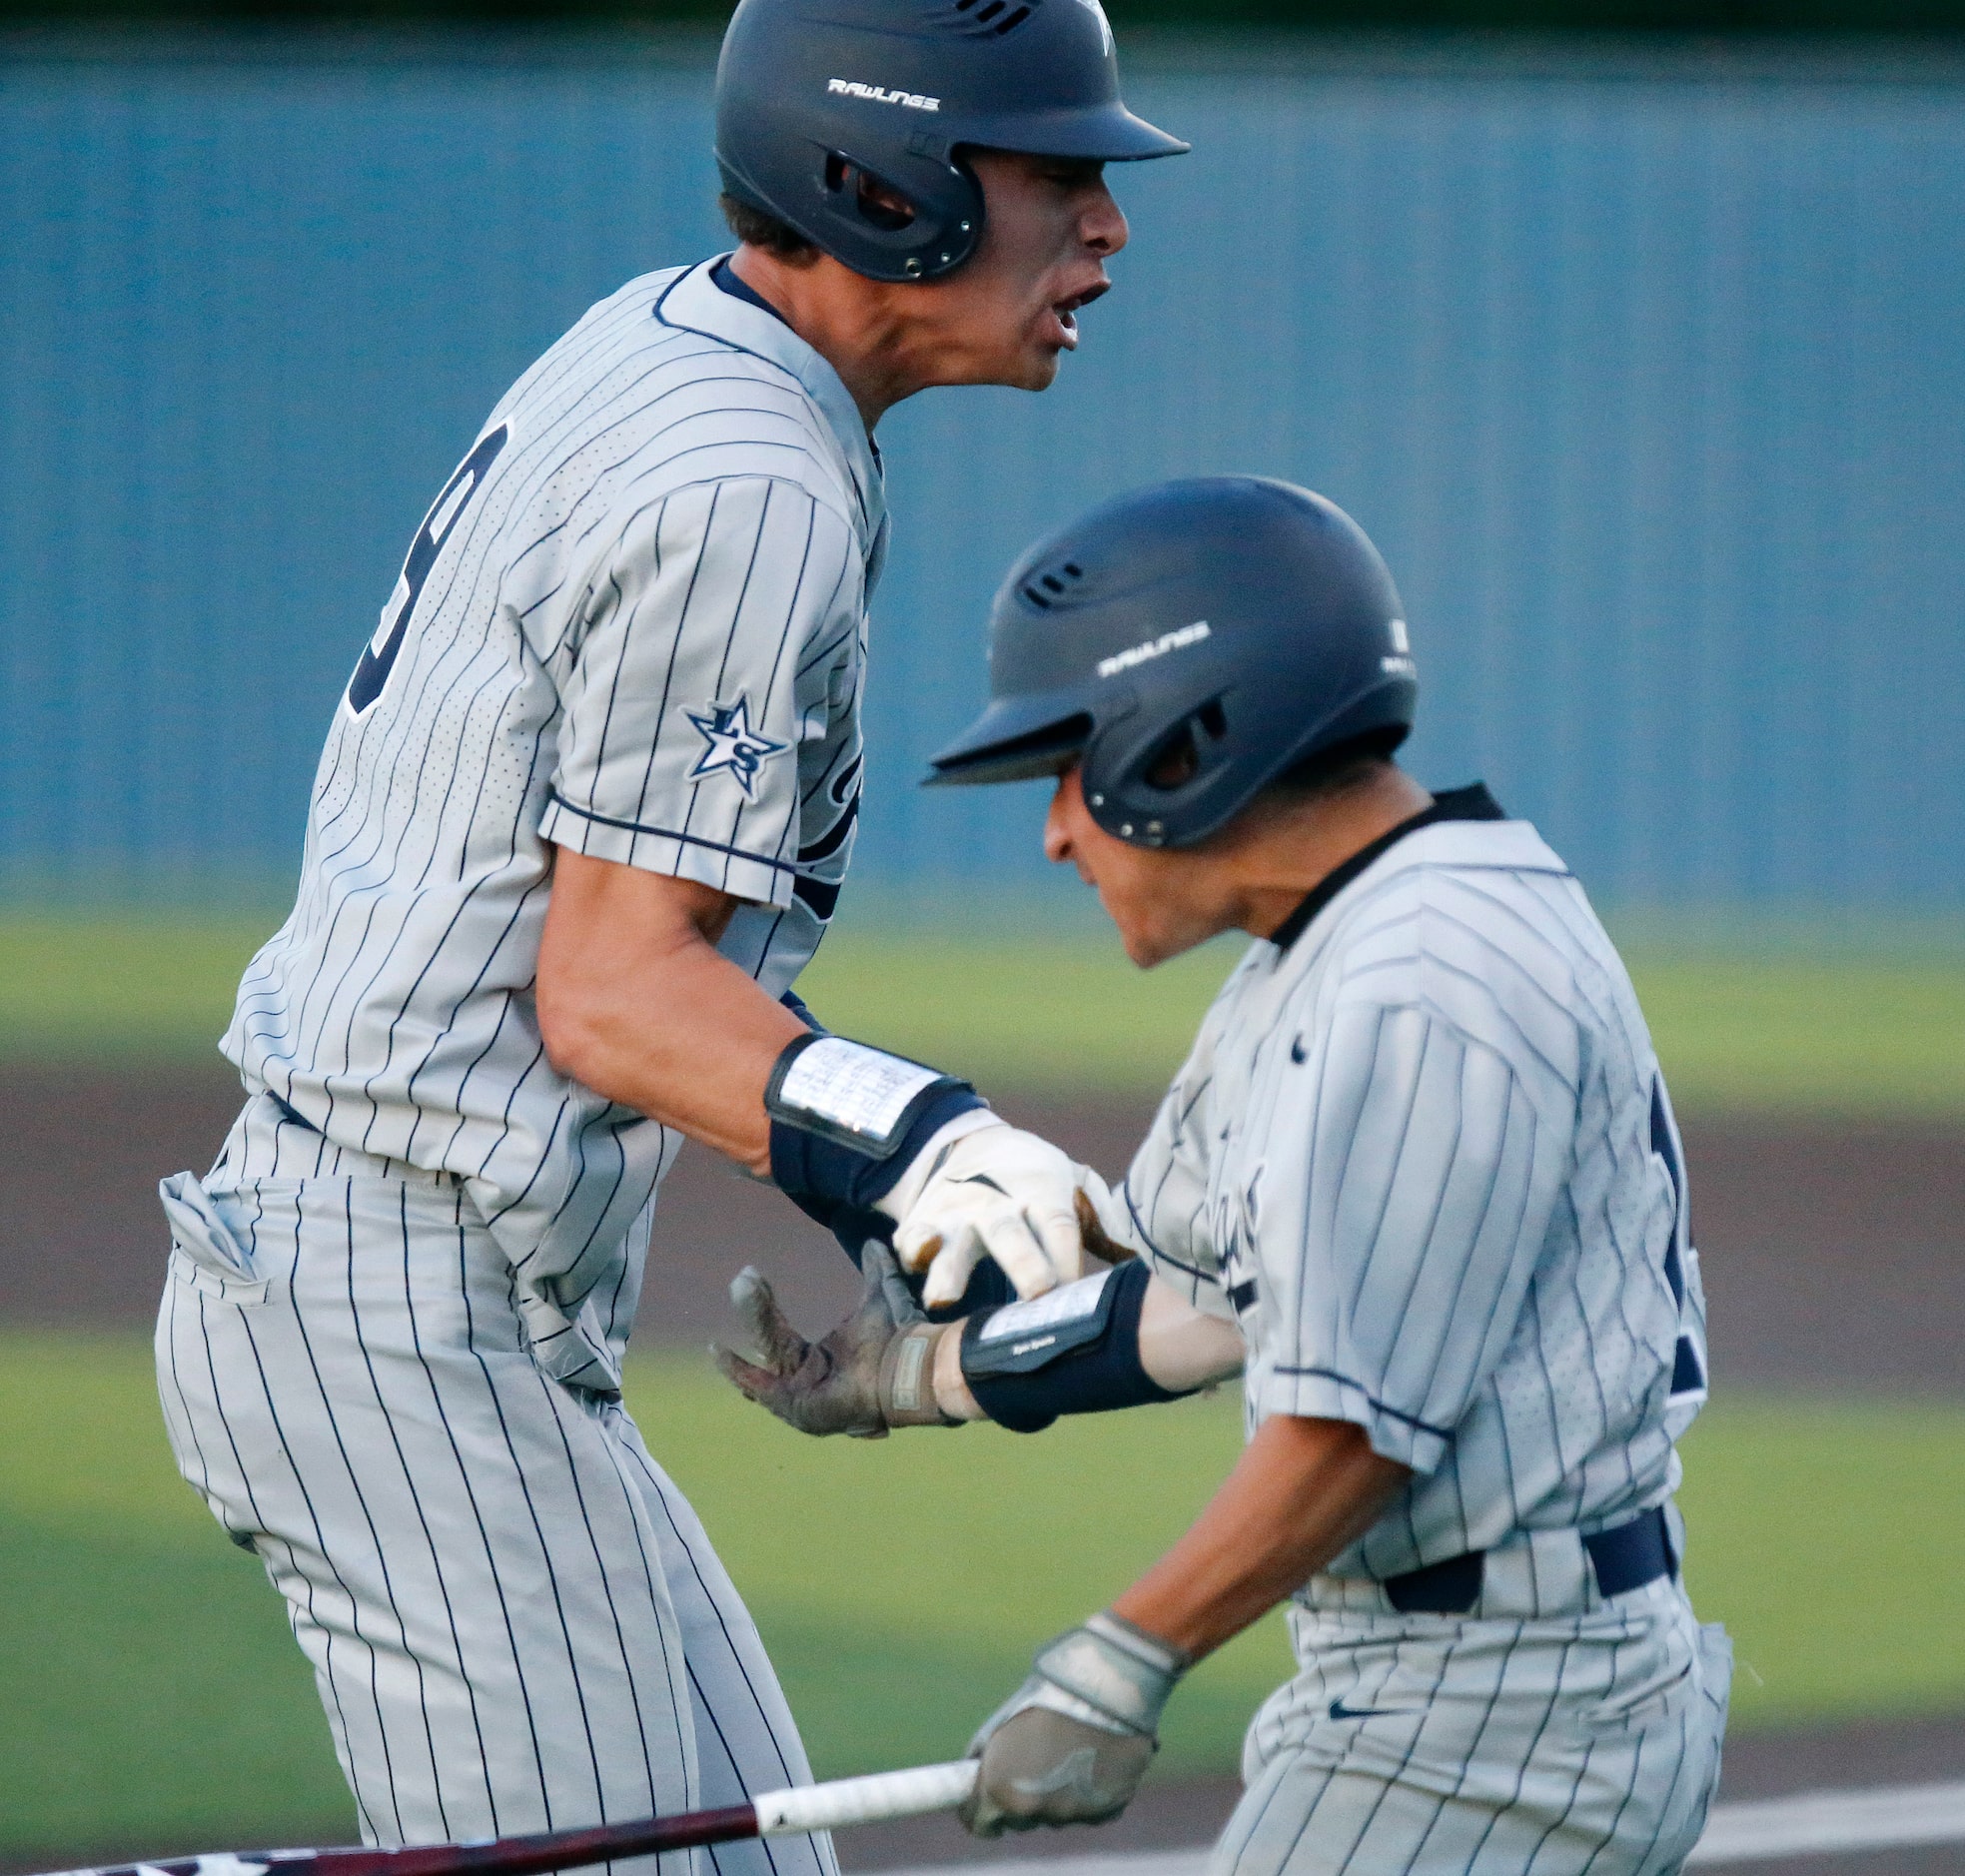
[[1179, 759], [879, 203], [1176, 763]]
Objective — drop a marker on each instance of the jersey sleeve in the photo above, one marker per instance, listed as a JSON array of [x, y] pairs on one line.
[[685, 703], [1166, 1188], [1394, 1258]]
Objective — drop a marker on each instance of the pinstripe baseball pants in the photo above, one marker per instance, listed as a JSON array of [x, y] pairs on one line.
[[1524, 1745], [516, 1621]]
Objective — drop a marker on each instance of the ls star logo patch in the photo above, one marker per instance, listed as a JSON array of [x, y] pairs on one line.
[[733, 744]]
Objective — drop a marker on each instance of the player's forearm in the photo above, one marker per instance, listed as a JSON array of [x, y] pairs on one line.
[[636, 1002], [1301, 1490], [1180, 1349]]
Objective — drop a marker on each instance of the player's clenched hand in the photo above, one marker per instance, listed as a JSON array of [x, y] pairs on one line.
[[858, 1379], [982, 1187], [1071, 1745]]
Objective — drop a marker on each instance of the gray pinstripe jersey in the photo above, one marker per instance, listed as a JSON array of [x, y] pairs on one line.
[[633, 625], [1425, 1155]]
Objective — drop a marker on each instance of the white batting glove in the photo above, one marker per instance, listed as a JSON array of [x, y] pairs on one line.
[[982, 1187]]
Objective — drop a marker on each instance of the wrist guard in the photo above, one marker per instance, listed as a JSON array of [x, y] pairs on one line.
[[1073, 1350], [846, 1121]]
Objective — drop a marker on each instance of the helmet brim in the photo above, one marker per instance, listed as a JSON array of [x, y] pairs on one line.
[[1019, 739], [1106, 134]]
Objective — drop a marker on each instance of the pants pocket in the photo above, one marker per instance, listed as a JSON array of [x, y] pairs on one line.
[[1651, 1700], [1716, 1659], [1679, 1663], [205, 1253]]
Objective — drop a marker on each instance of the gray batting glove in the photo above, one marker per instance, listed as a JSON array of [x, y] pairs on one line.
[[1071, 1745], [874, 1371]]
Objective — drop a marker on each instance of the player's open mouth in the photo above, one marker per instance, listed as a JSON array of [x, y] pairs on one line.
[[1065, 311]]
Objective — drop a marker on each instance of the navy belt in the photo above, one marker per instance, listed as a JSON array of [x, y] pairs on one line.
[[1626, 1557]]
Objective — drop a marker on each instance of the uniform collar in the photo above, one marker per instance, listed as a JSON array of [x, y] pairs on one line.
[[1472, 803], [725, 277], [695, 303]]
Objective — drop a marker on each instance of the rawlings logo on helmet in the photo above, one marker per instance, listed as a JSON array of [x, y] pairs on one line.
[[1153, 648], [879, 94]]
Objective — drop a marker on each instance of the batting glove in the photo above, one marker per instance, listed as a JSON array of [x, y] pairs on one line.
[[982, 1187], [874, 1371], [1071, 1745]]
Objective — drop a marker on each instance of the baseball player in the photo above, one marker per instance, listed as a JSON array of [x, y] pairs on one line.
[[1418, 1182], [583, 815]]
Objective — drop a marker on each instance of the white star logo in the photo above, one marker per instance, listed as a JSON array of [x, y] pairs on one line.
[[733, 744]]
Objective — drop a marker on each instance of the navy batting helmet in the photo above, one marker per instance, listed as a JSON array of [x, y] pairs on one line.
[[1189, 643], [814, 94]]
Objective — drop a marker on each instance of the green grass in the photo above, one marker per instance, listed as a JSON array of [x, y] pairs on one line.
[[1830, 1538], [1066, 1014], [1851, 1032], [154, 1698], [107, 985], [1855, 1034], [153, 1695]]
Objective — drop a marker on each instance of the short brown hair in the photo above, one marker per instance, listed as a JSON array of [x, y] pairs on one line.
[[1342, 767], [759, 228]]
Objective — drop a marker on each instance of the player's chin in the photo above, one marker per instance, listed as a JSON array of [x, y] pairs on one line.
[[1045, 341], [1150, 933], [1141, 944], [1035, 367]]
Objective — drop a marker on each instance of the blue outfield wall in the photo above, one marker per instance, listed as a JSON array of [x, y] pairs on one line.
[[1648, 379]]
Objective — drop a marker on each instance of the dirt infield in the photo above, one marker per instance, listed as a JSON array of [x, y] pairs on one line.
[[1832, 1252]]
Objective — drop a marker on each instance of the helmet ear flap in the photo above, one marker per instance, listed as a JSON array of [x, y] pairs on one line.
[[1128, 795], [1187, 750], [914, 218], [858, 191]]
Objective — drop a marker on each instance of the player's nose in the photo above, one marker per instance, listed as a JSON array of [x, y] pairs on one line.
[[1103, 227], [1057, 829]]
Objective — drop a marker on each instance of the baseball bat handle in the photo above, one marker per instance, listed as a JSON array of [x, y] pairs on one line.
[[914, 1792]]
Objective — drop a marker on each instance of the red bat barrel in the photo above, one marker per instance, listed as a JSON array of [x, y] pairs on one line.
[[910, 1793], [506, 1856]]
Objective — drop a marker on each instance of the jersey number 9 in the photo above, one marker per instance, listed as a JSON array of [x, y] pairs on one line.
[[379, 658]]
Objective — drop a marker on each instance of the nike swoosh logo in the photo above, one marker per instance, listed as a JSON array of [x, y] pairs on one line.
[[1075, 1775], [1339, 1711]]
